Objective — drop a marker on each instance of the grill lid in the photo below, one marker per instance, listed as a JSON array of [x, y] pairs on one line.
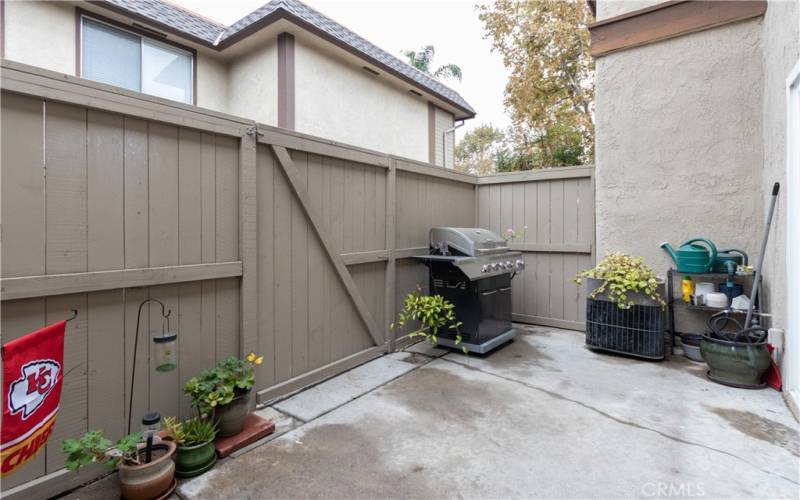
[[469, 241]]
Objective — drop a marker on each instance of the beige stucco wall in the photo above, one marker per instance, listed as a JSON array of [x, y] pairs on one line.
[[41, 34], [606, 8], [253, 84], [212, 82], [679, 143], [781, 46], [338, 100]]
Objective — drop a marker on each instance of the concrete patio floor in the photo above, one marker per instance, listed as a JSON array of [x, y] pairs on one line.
[[542, 417]]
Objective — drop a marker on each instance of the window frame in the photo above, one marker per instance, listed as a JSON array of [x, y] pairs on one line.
[[152, 37]]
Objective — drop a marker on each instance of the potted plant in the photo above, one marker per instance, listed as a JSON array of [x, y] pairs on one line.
[[222, 393], [195, 441], [624, 280], [435, 317], [138, 479], [624, 307]]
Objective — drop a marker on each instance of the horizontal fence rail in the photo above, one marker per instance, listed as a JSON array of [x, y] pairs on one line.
[[257, 238]]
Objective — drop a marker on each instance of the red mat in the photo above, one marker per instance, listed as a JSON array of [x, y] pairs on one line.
[[255, 428]]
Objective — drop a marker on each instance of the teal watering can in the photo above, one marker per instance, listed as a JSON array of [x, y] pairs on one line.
[[691, 258]]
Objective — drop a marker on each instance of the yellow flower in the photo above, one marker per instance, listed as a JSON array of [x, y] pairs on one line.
[[259, 360], [251, 357]]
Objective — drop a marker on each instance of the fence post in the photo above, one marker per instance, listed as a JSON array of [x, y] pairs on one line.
[[391, 207], [248, 241]]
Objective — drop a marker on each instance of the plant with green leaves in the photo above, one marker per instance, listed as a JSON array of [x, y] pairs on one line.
[[94, 447], [191, 432], [433, 314], [623, 275], [231, 378]]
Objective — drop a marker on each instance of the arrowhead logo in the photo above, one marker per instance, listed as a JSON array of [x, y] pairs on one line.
[[28, 392]]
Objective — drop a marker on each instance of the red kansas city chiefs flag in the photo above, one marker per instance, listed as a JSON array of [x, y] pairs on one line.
[[32, 373]]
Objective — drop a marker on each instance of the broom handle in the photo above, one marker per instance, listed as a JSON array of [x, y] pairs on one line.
[[757, 278]]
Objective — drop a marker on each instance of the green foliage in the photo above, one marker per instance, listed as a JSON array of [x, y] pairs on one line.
[[623, 274], [423, 59], [476, 151], [190, 432], [433, 313], [550, 89], [218, 386], [95, 447]]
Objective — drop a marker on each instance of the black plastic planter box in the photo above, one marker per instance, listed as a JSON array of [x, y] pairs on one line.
[[638, 331]]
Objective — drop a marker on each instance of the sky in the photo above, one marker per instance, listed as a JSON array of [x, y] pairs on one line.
[[451, 26]]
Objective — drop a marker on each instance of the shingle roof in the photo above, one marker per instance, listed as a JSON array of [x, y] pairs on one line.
[[215, 35]]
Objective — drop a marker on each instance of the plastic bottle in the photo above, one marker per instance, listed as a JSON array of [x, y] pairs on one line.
[[688, 288]]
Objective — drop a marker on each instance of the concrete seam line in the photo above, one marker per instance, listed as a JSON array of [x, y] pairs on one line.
[[619, 420]]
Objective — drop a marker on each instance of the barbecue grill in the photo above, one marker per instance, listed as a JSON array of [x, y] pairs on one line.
[[472, 268]]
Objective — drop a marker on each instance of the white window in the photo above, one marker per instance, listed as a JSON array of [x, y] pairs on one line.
[[118, 57]]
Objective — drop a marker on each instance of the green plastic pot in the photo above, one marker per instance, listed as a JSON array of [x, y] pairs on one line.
[[738, 364], [194, 460]]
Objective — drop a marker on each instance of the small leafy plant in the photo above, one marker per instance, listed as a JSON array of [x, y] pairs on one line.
[[622, 275], [95, 447], [190, 432], [433, 313], [510, 235], [232, 377]]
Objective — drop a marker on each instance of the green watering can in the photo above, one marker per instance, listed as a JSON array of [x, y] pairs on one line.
[[728, 260], [691, 258]]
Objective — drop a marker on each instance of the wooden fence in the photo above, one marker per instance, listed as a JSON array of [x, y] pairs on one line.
[[557, 207], [257, 238]]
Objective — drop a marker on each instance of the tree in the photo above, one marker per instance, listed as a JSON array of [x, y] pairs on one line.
[[476, 152], [423, 59], [550, 92]]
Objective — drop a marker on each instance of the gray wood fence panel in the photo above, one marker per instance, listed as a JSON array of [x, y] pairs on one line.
[[558, 241], [104, 192]]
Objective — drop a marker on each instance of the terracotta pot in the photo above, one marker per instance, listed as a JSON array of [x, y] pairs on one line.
[[150, 480], [194, 460], [230, 418]]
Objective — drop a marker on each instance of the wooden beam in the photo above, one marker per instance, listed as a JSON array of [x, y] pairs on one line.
[[390, 228], [545, 174], [585, 248], [415, 167], [315, 220], [668, 20], [310, 144], [318, 375], [248, 244], [59, 284], [365, 257], [404, 253], [552, 322], [33, 81]]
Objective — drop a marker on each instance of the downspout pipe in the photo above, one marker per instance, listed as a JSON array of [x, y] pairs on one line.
[[451, 130]]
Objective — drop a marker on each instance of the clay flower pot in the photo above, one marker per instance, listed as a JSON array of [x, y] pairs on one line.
[[230, 418], [151, 480], [194, 460]]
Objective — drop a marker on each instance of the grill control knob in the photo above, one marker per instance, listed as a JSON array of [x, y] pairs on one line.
[[495, 266], [520, 264], [508, 265], [485, 268]]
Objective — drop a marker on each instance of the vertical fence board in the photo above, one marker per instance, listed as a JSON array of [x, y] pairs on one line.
[[283, 277], [106, 353], [22, 180], [316, 265], [300, 241], [265, 376], [227, 244]]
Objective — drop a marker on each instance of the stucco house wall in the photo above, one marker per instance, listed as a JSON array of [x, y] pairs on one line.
[[781, 45], [334, 97], [690, 137], [40, 34], [252, 82], [338, 100]]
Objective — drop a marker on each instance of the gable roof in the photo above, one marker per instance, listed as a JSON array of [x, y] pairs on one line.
[[217, 36]]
